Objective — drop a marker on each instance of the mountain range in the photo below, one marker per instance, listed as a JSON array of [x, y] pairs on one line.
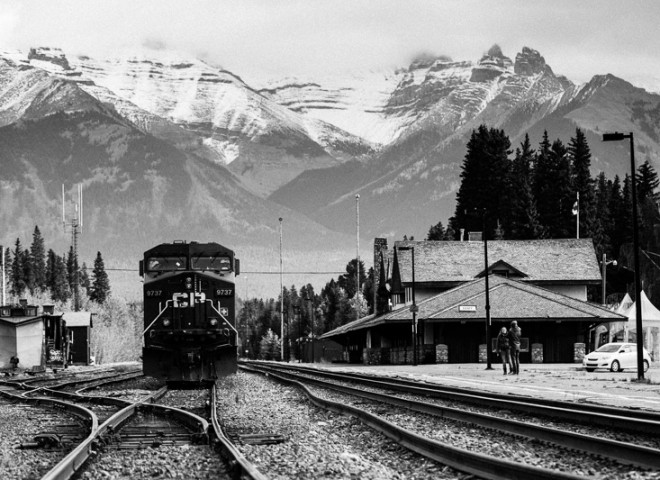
[[168, 146]]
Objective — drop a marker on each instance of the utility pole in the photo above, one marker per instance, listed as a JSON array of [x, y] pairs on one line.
[[76, 224], [357, 256], [281, 299], [4, 287]]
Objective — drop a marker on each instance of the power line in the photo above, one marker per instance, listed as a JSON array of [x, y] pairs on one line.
[[244, 272]]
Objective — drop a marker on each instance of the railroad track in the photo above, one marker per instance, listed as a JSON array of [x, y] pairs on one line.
[[106, 427], [638, 456]]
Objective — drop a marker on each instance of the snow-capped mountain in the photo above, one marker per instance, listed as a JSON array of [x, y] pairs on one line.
[[205, 110], [395, 136]]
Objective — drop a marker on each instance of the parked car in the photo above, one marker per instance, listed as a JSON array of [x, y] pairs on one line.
[[615, 357]]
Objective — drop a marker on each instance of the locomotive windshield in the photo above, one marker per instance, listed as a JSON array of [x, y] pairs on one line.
[[165, 264], [222, 264]]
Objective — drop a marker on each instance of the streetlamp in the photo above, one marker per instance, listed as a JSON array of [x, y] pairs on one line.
[[604, 265], [488, 339], [614, 137], [413, 307], [357, 256], [281, 300]]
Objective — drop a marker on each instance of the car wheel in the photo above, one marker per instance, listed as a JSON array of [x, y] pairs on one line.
[[616, 366], [590, 369], [646, 365]]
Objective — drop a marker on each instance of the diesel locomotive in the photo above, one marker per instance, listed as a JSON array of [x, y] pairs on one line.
[[189, 311]]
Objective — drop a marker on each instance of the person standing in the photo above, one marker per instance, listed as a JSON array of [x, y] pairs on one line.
[[514, 342], [503, 348]]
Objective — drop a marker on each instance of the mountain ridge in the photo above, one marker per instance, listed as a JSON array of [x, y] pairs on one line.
[[245, 152]]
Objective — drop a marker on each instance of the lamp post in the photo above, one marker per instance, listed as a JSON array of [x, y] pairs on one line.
[[614, 137], [488, 339], [281, 300], [604, 265], [413, 307], [357, 256]]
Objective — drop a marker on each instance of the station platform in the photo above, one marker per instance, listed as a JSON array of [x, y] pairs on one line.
[[568, 382]]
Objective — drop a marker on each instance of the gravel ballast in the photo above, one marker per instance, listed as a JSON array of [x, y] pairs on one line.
[[317, 443]]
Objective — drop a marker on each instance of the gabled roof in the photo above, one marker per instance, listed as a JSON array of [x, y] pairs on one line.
[[502, 265], [509, 299], [540, 260]]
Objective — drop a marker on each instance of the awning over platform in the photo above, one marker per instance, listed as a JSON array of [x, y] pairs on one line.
[[508, 299]]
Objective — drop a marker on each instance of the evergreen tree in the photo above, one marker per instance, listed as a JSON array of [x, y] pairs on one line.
[[270, 346], [60, 290], [7, 263], [647, 183], [368, 291], [624, 214], [436, 232], [553, 190], [28, 273], [51, 269], [483, 180], [603, 216], [383, 294], [583, 184], [330, 305], [523, 220], [347, 280], [616, 207], [647, 200], [38, 260], [84, 279], [72, 267], [100, 283], [18, 283]]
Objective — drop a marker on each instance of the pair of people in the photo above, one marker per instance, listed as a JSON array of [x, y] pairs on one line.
[[508, 344]]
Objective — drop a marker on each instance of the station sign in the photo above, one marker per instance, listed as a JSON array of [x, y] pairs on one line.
[[467, 308]]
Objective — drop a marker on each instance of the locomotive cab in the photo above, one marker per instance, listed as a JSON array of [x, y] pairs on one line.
[[189, 311]]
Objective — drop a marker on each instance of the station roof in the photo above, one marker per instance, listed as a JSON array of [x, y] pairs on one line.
[[78, 319], [509, 300], [20, 320], [537, 261]]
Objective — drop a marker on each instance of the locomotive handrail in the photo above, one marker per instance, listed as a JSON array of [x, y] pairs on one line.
[[157, 317], [221, 315]]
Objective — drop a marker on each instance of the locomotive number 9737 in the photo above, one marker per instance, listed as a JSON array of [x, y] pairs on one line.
[[189, 311]]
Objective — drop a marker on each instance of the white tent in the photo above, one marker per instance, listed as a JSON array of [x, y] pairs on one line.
[[625, 304], [650, 314], [650, 324]]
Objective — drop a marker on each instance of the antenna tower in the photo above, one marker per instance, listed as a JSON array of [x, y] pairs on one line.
[[75, 221]]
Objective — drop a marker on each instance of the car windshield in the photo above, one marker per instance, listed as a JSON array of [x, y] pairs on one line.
[[163, 264], [609, 348]]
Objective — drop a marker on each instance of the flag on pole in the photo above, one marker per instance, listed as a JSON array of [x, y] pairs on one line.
[[576, 211]]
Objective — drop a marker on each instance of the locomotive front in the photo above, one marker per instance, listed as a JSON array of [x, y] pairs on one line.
[[189, 311]]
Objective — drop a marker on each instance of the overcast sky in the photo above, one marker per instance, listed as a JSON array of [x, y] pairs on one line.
[[578, 38]]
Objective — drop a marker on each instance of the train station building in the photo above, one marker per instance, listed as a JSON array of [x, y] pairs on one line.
[[542, 284]]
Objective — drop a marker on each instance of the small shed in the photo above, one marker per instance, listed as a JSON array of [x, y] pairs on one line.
[[22, 336], [78, 325]]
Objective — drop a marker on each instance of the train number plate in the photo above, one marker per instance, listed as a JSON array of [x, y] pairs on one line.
[[154, 293], [224, 292]]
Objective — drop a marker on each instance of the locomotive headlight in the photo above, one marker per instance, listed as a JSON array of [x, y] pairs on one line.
[[189, 285], [213, 322], [166, 322]]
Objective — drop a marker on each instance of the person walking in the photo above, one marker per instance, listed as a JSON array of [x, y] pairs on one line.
[[503, 348], [514, 342]]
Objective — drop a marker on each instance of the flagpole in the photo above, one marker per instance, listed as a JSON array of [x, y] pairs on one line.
[[577, 218]]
